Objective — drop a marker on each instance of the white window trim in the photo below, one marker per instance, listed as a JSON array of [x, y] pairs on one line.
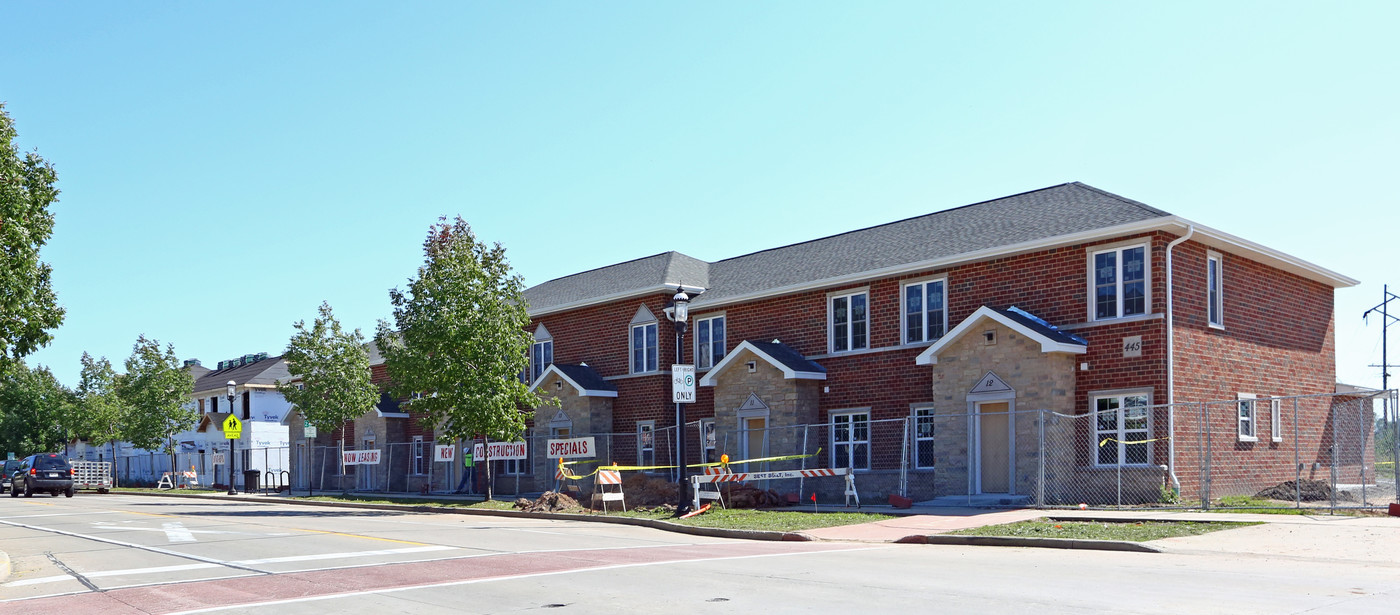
[[695, 337], [1219, 289], [641, 458], [831, 321], [1094, 397], [538, 370], [631, 350], [1253, 417], [1276, 419], [903, 320], [419, 455], [914, 434], [869, 452], [1091, 299], [705, 445]]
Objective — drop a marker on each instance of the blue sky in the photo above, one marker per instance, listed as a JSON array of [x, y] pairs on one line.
[[226, 167]]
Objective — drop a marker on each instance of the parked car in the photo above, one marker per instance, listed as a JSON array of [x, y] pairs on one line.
[[11, 466], [43, 472]]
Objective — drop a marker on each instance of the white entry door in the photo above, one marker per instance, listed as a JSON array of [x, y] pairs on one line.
[[994, 447]]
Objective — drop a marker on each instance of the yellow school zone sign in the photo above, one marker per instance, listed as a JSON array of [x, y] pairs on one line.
[[233, 428]]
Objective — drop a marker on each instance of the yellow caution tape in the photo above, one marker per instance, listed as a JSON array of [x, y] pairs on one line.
[[724, 461], [1107, 440]]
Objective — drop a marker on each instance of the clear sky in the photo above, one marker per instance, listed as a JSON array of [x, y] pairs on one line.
[[226, 167]]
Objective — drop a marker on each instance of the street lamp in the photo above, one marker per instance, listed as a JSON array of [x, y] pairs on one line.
[[678, 311], [231, 442]]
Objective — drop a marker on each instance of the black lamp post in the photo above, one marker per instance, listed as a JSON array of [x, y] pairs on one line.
[[231, 441], [678, 314]]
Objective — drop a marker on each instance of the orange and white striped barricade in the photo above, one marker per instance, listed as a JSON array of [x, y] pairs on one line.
[[697, 480], [701, 494], [608, 478], [191, 478]]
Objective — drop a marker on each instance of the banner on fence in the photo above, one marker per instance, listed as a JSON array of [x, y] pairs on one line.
[[502, 450], [218, 459], [360, 458], [571, 448], [444, 452]]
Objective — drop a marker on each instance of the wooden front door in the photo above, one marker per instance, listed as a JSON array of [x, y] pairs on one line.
[[994, 446]]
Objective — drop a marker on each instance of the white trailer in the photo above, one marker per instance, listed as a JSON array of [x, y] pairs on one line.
[[92, 475]]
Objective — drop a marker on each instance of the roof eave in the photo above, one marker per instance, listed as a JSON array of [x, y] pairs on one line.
[[665, 287], [930, 355]]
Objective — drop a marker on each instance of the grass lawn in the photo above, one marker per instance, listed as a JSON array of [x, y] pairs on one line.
[[766, 520], [1259, 506], [1093, 530]]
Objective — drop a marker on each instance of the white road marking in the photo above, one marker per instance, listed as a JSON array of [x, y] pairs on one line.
[[67, 514], [176, 532], [320, 556]]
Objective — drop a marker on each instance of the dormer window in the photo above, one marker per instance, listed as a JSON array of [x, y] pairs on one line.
[[641, 342]]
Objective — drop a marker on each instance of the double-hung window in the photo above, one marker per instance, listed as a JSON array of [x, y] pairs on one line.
[[923, 438], [541, 355], [644, 348], [708, 441], [1118, 282], [1215, 291], [1248, 418], [420, 458], [849, 321], [709, 341], [925, 311], [850, 440], [1276, 420], [646, 443], [1122, 423]]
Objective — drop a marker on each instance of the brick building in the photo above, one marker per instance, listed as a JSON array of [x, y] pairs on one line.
[[925, 353]]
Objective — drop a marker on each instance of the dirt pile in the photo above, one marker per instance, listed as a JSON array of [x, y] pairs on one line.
[[1311, 491], [747, 496], [549, 501]]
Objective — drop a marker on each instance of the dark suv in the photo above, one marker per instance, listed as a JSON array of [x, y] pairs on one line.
[[11, 465], [43, 472]]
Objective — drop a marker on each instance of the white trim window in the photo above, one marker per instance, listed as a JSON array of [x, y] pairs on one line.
[[541, 356], [515, 467], [923, 438], [850, 440], [707, 441], [1122, 422], [709, 341], [1118, 282], [1215, 290], [643, 348], [420, 458], [925, 311], [1276, 420], [1248, 417], [849, 317], [646, 443]]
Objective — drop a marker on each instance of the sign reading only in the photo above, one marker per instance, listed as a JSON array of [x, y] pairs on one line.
[[683, 384]]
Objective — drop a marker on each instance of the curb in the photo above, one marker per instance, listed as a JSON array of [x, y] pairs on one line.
[[651, 523], [4, 566], [1040, 543]]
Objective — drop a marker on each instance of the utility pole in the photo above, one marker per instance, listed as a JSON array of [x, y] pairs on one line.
[[1386, 320]]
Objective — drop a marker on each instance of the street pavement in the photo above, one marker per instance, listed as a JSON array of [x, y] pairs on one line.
[[116, 554]]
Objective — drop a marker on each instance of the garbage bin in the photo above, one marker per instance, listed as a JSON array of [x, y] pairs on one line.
[[250, 480]]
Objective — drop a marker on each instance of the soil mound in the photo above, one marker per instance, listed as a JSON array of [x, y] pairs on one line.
[[1307, 490], [549, 501]]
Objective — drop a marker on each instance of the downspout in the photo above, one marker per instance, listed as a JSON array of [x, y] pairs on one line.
[[1171, 365]]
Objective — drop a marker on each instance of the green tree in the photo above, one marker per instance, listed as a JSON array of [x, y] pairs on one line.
[[28, 306], [98, 410], [461, 339], [333, 366], [33, 410], [155, 395]]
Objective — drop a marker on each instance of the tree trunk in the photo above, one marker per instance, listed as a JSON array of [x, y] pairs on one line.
[[486, 455]]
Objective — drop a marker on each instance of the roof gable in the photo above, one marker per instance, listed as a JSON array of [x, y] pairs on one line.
[[1018, 320], [791, 363], [583, 378]]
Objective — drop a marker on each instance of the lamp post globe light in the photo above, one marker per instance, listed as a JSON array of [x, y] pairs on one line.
[[678, 313], [231, 442]]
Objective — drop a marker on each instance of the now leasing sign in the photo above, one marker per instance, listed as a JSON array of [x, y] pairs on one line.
[[501, 450], [360, 458], [571, 448]]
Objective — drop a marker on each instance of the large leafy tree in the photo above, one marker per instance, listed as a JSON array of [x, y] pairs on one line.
[[33, 410], [460, 338], [28, 306], [155, 394], [98, 410], [333, 366]]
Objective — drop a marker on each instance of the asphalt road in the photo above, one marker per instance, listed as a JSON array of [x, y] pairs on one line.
[[117, 554]]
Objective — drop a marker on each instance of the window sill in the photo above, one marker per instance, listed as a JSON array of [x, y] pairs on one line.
[[1248, 439], [1112, 321], [1126, 466], [1215, 326]]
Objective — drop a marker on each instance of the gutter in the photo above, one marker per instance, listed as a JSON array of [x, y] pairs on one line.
[[1171, 364]]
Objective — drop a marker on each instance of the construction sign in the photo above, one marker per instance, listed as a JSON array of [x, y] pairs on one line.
[[233, 428]]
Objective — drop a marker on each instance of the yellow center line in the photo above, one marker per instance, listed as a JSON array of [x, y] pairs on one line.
[[406, 542]]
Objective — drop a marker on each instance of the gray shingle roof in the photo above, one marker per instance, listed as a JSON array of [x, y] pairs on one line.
[[267, 371], [1041, 214], [586, 377], [1037, 324], [784, 354]]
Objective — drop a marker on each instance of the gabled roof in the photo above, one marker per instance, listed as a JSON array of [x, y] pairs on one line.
[[265, 372], [1040, 219], [793, 365], [583, 378], [212, 419], [1050, 338]]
